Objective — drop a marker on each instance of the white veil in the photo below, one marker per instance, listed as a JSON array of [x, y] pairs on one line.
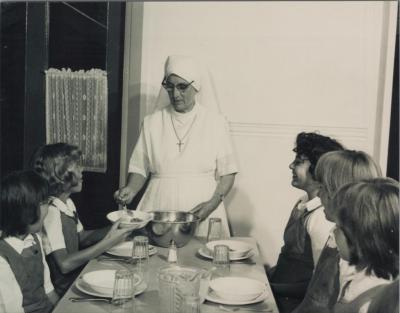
[[190, 70]]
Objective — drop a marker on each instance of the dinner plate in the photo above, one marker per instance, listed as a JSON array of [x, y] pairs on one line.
[[102, 281], [237, 288], [124, 249], [213, 297], [203, 251], [85, 288], [237, 248]]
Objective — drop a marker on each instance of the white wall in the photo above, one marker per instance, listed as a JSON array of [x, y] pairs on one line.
[[280, 68]]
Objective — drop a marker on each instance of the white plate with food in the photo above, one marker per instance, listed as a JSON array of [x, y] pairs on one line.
[[236, 291], [124, 249], [130, 218]]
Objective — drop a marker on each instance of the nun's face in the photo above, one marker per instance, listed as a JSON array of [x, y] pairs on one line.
[[181, 93]]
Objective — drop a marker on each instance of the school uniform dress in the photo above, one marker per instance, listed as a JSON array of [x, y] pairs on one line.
[[304, 238], [357, 289], [183, 172], [61, 231], [24, 276], [387, 299], [323, 289]]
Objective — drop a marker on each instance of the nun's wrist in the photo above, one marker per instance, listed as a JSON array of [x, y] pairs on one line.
[[217, 198]]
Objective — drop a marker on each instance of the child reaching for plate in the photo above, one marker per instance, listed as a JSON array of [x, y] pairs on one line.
[[25, 284], [64, 236]]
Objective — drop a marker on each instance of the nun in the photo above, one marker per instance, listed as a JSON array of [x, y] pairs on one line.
[[185, 149]]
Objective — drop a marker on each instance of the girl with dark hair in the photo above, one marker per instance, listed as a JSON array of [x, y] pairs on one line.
[[64, 235], [25, 284], [367, 238], [307, 229]]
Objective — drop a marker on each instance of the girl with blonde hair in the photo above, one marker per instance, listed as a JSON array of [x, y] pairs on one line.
[[334, 169]]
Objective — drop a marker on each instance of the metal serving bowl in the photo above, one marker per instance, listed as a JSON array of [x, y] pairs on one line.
[[172, 225]]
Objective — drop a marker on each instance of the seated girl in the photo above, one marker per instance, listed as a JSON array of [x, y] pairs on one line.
[[307, 229], [67, 245], [25, 284], [387, 300], [367, 237], [334, 169]]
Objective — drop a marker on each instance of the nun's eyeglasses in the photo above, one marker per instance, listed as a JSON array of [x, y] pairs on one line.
[[181, 86]]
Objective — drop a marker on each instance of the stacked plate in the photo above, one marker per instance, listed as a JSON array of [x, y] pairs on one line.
[[236, 290], [238, 250], [124, 249], [101, 283]]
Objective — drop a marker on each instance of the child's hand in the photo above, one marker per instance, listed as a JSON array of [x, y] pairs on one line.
[[117, 234]]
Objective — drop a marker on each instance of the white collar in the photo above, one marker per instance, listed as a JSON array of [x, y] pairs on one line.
[[359, 281], [310, 205], [331, 242], [68, 208], [20, 244], [347, 271]]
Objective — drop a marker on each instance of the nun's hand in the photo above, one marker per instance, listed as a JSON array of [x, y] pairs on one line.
[[124, 195], [204, 209]]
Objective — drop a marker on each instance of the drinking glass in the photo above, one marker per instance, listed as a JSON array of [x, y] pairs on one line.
[[191, 304], [124, 287], [174, 284], [140, 256], [214, 229], [221, 260]]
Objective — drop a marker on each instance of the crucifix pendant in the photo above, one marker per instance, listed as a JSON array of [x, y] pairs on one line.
[[180, 144]]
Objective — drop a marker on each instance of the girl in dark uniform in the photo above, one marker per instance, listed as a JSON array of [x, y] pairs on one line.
[[25, 284], [334, 170], [367, 236], [307, 229], [68, 246]]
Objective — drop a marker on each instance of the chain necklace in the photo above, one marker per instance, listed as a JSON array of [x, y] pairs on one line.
[[180, 142]]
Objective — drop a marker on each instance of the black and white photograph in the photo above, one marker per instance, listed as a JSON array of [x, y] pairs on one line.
[[199, 156]]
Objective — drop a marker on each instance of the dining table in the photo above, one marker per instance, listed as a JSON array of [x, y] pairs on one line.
[[148, 301]]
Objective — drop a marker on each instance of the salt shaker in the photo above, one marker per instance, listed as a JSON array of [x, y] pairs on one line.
[[172, 253]]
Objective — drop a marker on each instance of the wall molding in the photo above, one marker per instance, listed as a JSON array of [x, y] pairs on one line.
[[289, 130]]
